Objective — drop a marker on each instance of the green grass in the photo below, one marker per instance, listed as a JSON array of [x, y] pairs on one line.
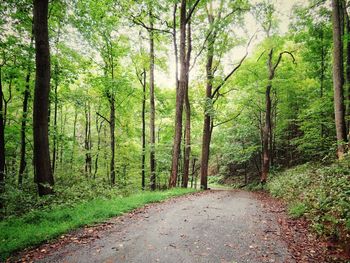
[[39, 226]]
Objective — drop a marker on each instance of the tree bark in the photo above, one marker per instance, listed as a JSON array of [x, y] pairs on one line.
[[152, 105], [207, 118], [143, 157], [176, 55], [26, 95], [42, 164], [187, 149], [112, 134], [347, 75], [74, 136], [2, 145], [55, 130], [267, 127], [179, 98], [88, 158], [98, 129], [338, 80]]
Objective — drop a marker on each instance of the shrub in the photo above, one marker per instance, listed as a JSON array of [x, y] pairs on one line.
[[321, 193]]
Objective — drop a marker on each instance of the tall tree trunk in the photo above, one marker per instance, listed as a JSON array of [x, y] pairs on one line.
[[266, 135], [273, 117], [179, 98], [338, 80], [208, 103], [267, 127], [112, 134], [88, 158], [322, 79], [152, 104], [193, 170], [63, 125], [176, 55], [2, 145], [187, 149], [74, 136], [143, 157], [55, 130], [98, 129], [26, 95], [347, 75], [42, 164]]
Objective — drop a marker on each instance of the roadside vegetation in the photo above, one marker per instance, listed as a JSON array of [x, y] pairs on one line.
[[50, 221], [319, 193]]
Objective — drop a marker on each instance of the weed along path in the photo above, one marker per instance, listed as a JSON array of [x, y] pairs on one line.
[[213, 226]]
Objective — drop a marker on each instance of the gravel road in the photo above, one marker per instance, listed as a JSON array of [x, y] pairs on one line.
[[215, 226]]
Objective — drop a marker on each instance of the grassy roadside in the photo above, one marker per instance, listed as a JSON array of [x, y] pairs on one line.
[[39, 226]]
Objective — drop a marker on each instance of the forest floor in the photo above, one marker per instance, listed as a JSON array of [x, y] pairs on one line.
[[211, 226]]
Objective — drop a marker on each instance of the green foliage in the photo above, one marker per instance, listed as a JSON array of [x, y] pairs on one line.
[[321, 193], [297, 210], [41, 225]]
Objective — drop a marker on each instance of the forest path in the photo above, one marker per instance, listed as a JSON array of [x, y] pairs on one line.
[[215, 226]]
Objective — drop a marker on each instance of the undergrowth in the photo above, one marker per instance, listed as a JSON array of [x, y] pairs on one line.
[[320, 193], [48, 222]]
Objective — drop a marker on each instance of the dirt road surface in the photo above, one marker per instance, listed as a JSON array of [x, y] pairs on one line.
[[216, 226]]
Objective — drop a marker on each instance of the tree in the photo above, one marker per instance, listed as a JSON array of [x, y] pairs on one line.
[[180, 92], [2, 145], [187, 143], [217, 22], [42, 165], [338, 78], [26, 95], [152, 103], [267, 130]]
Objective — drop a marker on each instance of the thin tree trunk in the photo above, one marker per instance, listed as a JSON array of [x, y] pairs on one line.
[[26, 95], [338, 79], [187, 151], [347, 76], [74, 136], [193, 170], [267, 127], [175, 49], [7, 101], [88, 158], [42, 164], [152, 105], [112, 134], [55, 130], [266, 135], [143, 157], [322, 79], [98, 129], [63, 125], [272, 125], [207, 118], [2, 145], [179, 98]]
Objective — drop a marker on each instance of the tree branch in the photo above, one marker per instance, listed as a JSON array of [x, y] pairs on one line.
[[137, 21], [280, 58], [234, 69], [191, 11], [103, 117], [228, 120]]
